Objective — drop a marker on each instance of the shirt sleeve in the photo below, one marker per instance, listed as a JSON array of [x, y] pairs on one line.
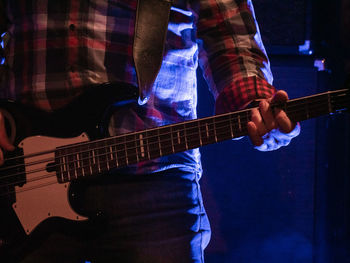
[[232, 56]]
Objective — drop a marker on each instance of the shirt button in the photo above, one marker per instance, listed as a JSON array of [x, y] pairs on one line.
[[72, 27]]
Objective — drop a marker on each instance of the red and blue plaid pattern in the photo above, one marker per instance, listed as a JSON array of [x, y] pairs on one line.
[[58, 48]]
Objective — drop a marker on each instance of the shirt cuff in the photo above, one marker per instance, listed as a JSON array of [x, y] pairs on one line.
[[241, 93]]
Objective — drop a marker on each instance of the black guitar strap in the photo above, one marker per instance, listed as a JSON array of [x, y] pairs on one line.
[[152, 18]]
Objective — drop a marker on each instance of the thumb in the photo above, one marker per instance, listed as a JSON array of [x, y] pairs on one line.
[[4, 139]]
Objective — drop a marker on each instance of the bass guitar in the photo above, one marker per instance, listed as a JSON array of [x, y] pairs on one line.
[[35, 178]]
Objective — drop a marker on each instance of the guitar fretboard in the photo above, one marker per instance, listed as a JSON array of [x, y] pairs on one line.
[[97, 157]]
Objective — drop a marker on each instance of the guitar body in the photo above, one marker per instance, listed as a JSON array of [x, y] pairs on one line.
[[38, 179], [25, 202], [38, 200]]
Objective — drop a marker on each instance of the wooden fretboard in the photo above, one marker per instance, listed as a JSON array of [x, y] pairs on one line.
[[96, 157]]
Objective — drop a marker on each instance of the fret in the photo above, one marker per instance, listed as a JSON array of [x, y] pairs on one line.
[[131, 149], [81, 162], [111, 154], [78, 167], [207, 133], [178, 135], [62, 174], [94, 160], [172, 139], [86, 159], [235, 123], [71, 165], [231, 129], [159, 144], [78, 161], [240, 121], [115, 151], [153, 143], [185, 136], [165, 140], [66, 167], [94, 157], [137, 149], [207, 129], [215, 136], [222, 132], [126, 151], [193, 134], [120, 151], [199, 132], [107, 154], [59, 167], [102, 156], [75, 166]]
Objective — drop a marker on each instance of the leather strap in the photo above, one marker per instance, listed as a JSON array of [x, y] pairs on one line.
[[151, 25]]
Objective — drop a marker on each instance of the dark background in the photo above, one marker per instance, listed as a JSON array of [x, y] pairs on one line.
[[291, 205]]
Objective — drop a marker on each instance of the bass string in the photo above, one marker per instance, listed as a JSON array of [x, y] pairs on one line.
[[89, 143], [89, 158], [211, 127], [72, 162]]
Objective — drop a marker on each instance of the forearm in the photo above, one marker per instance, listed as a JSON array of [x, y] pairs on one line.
[[233, 58]]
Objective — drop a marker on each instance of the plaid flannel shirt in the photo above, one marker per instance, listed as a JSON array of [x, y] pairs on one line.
[[57, 48]]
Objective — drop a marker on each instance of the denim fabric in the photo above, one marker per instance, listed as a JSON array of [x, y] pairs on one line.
[[134, 218]]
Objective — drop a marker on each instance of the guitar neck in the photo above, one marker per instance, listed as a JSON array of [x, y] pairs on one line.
[[99, 156]]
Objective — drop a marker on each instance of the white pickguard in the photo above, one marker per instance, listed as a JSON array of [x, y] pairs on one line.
[[38, 200]]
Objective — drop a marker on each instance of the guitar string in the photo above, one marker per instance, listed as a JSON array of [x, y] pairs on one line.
[[140, 132], [46, 176], [74, 162], [29, 188], [143, 138], [88, 143], [117, 152], [99, 148], [317, 96], [41, 177], [134, 141], [33, 187]]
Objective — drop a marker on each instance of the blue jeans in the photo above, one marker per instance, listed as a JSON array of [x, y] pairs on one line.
[[149, 218]]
